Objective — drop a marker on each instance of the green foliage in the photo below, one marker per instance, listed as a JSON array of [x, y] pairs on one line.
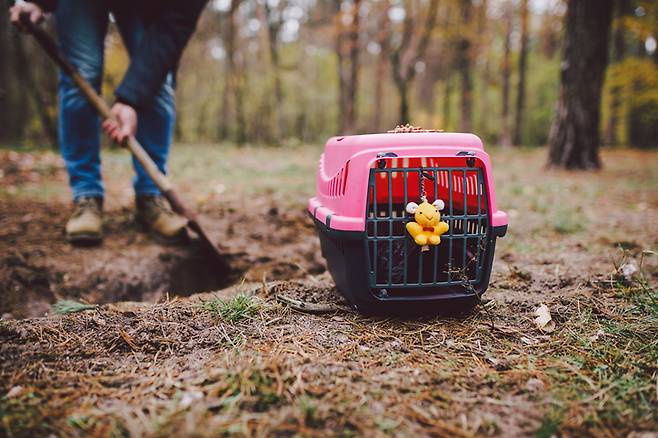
[[63, 307], [20, 415], [549, 427], [542, 94], [636, 81]]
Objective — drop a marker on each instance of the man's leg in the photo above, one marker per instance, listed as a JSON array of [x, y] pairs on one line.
[[155, 128], [155, 123], [81, 27]]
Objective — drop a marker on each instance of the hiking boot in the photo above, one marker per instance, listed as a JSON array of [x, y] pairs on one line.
[[154, 213], [85, 226]]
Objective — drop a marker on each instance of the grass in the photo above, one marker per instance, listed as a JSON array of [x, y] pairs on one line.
[[614, 351], [297, 374], [233, 310], [549, 427], [210, 174]]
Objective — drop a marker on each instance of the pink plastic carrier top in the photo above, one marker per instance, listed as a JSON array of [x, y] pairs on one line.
[[343, 175]]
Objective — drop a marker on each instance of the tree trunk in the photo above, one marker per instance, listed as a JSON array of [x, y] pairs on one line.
[[464, 67], [505, 138], [404, 72], [403, 91], [447, 96], [7, 128], [383, 34], [517, 137], [272, 23], [347, 51], [234, 86], [574, 135], [483, 47], [380, 75], [33, 91], [228, 36]]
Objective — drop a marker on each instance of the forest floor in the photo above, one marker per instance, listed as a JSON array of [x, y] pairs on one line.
[[168, 348]]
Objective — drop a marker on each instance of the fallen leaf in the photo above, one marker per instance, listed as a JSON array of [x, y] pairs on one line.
[[529, 341], [544, 321], [596, 336], [15, 391], [628, 270], [189, 397], [534, 385]]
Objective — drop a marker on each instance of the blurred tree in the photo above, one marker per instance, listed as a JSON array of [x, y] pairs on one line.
[[619, 51], [464, 60], [381, 38], [272, 18], [447, 100], [639, 76], [550, 31], [404, 56], [11, 124], [574, 135], [506, 70], [33, 88], [517, 137], [347, 52], [483, 49], [27, 88], [234, 77]]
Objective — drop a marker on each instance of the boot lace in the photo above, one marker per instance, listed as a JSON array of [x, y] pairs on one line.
[[84, 205]]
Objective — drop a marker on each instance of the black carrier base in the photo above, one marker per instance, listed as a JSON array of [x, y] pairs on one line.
[[346, 253]]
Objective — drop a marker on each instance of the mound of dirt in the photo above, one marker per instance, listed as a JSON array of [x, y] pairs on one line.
[[37, 266]]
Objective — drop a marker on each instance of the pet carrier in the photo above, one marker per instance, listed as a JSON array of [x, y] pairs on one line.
[[407, 221]]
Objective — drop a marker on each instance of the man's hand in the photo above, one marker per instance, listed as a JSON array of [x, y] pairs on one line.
[[122, 124], [20, 8]]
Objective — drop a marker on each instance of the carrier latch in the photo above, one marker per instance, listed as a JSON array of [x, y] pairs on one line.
[[382, 163], [470, 162]]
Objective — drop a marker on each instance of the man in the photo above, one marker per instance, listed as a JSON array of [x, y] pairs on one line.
[[155, 34]]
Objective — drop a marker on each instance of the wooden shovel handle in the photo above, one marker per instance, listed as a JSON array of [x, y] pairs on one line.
[[159, 178]]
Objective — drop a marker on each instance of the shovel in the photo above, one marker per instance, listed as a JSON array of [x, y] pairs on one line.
[[159, 178]]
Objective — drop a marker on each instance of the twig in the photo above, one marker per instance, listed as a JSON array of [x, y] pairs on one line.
[[306, 307]]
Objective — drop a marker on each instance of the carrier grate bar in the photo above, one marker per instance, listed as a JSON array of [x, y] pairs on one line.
[[394, 259], [406, 254], [451, 223], [465, 226], [438, 283], [443, 217], [455, 237], [478, 264], [415, 169]]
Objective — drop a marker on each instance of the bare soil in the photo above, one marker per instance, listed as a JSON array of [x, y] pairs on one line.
[[38, 267], [164, 352]]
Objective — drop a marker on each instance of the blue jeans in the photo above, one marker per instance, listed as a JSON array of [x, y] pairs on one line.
[[81, 28]]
